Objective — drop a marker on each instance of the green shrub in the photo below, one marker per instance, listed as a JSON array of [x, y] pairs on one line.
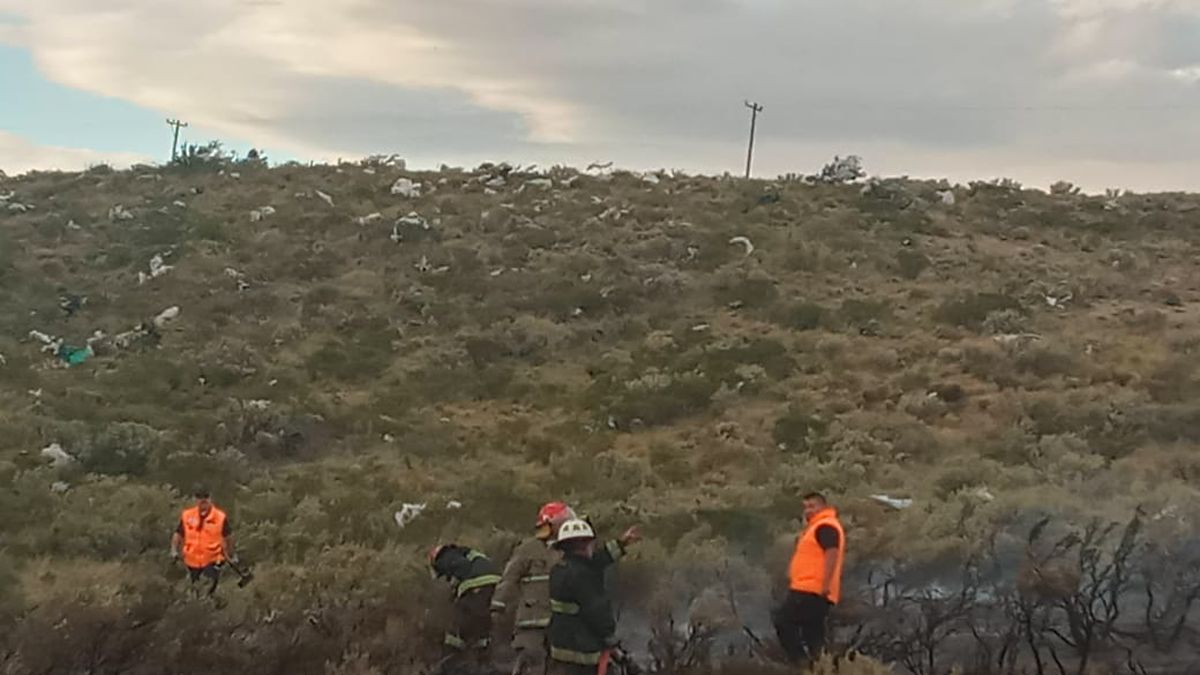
[[801, 316], [800, 430], [972, 309]]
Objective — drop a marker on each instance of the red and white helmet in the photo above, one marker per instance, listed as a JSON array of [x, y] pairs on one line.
[[554, 514]]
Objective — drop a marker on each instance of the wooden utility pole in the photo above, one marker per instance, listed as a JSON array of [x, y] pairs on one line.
[[755, 108], [175, 143]]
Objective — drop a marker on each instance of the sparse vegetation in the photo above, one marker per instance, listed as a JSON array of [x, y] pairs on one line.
[[599, 340]]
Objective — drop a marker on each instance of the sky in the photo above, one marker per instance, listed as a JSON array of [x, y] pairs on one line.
[[1104, 93]]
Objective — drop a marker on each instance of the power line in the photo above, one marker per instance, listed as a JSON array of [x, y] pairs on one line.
[[755, 108], [175, 143]]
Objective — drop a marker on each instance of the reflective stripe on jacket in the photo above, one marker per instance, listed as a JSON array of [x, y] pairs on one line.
[[525, 584], [582, 626]]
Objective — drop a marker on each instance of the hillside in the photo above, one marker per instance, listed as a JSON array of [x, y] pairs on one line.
[[499, 337]]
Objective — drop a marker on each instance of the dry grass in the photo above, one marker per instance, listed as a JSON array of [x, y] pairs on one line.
[[601, 342]]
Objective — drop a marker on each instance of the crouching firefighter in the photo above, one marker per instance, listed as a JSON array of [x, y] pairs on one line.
[[524, 590], [473, 577], [582, 629]]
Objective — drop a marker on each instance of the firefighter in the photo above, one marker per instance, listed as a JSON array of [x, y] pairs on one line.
[[814, 581], [473, 577], [203, 539], [524, 590], [582, 631]]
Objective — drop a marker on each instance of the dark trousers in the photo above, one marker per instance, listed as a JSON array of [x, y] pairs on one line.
[[468, 640], [800, 624], [210, 572]]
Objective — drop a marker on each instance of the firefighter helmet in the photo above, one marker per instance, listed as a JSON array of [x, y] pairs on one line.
[[575, 530]]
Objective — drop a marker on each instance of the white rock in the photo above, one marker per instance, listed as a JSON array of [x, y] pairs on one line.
[[542, 183], [406, 188], [59, 487], [166, 316], [58, 457], [261, 212], [119, 212], [947, 197], [258, 404]]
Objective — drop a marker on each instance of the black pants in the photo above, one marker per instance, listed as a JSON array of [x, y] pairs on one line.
[[800, 624], [210, 572]]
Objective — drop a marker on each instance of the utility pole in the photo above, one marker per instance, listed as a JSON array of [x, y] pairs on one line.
[[175, 143], [755, 108]]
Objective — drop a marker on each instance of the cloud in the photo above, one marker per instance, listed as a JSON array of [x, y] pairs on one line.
[[1086, 85], [18, 155]]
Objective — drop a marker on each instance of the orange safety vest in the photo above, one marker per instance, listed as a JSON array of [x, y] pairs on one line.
[[203, 541], [806, 573]]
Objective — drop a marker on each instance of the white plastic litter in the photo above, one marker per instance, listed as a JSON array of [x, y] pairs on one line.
[[57, 456], [325, 198], [651, 179], [408, 513], [413, 219], [947, 197], [240, 278], [495, 182], [180, 203], [258, 404], [1059, 302], [49, 342], [743, 241], [119, 212], [261, 212], [543, 183], [157, 268], [59, 487], [453, 504], [406, 188], [166, 316], [3, 361], [894, 502], [19, 208], [368, 219]]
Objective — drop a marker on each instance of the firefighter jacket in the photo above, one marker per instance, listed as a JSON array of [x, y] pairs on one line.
[[525, 584], [467, 568], [582, 626]]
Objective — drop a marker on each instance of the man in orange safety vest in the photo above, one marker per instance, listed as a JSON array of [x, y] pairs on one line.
[[203, 539], [814, 581]]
